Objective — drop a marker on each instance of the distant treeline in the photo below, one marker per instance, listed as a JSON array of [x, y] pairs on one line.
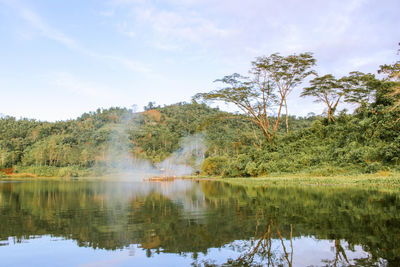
[[366, 141]]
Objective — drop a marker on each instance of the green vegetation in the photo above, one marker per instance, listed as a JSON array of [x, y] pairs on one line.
[[255, 143], [382, 181]]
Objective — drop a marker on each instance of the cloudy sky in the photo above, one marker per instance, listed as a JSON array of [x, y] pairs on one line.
[[59, 59]]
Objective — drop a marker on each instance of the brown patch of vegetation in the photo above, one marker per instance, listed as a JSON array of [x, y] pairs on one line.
[[22, 175], [167, 178], [7, 171], [153, 114]]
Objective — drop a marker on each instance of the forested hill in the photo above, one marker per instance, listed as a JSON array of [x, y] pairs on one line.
[[86, 141], [367, 141]]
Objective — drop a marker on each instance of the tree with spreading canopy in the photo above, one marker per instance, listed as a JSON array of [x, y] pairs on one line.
[[326, 89], [360, 88], [286, 73], [354, 88], [252, 97], [272, 79]]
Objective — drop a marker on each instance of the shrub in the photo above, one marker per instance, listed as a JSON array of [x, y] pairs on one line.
[[214, 165], [251, 168], [373, 167]]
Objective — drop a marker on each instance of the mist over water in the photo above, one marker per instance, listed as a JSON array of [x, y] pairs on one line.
[[123, 164]]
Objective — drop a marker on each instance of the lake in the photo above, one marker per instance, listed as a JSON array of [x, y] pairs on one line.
[[195, 223]]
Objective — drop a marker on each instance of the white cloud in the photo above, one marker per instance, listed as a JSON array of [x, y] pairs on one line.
[[169, 28], [232, 31]]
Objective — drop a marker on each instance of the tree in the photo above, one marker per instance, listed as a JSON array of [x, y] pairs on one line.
[[357, 87], [273, 78], [286, 73], [360, 88], [252, 97], [326, 89]]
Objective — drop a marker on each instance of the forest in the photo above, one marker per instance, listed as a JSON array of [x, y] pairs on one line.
[[262, 139]]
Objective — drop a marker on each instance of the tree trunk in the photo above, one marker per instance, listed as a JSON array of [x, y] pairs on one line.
[[277, 118], [266, 133], [287, 118], [330, 119]]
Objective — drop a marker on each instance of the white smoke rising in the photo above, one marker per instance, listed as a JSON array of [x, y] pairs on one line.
[[121, 163], [187, 159]]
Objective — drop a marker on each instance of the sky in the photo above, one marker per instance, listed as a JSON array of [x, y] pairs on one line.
[[59, 59]]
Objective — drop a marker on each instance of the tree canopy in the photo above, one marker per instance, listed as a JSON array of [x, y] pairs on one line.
[[272, 79]]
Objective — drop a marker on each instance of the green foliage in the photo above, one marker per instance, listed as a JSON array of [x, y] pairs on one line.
[[367, 142], [52, 171], [214, 165]]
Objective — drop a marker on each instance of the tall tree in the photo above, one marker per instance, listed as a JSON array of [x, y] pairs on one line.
[[286, 73], [360, 88], [272, 79], [326, 89], [357, 88], [252, 96]]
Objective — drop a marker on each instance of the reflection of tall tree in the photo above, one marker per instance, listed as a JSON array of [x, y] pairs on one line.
[[263, 251], [340, 254]]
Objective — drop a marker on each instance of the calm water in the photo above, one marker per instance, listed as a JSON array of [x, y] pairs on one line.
[[185, 223]]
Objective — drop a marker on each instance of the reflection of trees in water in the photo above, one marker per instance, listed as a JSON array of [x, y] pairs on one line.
[[358, 216], [262, 253], [341, 259], [340, 254], [158, 224]]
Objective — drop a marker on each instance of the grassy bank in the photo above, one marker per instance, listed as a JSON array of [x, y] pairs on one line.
[[383, 179], [51, 171]]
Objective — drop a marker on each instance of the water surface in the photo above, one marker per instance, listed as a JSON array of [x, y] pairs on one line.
[[189, 223]]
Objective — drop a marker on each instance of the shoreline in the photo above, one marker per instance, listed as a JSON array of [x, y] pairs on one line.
[[273, 179]]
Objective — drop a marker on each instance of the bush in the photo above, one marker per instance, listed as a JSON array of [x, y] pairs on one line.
[[251, 168], [214, 165], [373, 167], [326, 170], [262, 169]]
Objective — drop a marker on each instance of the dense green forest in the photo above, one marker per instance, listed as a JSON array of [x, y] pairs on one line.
[[245, 144]]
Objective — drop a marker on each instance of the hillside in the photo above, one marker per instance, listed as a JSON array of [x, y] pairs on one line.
[[95, 143]]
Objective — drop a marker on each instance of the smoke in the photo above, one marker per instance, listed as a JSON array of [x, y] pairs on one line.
[[187, 159], [120, 162]]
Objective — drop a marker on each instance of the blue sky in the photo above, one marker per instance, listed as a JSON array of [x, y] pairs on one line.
[[59, 59]]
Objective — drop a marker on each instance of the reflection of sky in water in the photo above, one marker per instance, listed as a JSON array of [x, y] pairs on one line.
[[50, 251], [185, 193]]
